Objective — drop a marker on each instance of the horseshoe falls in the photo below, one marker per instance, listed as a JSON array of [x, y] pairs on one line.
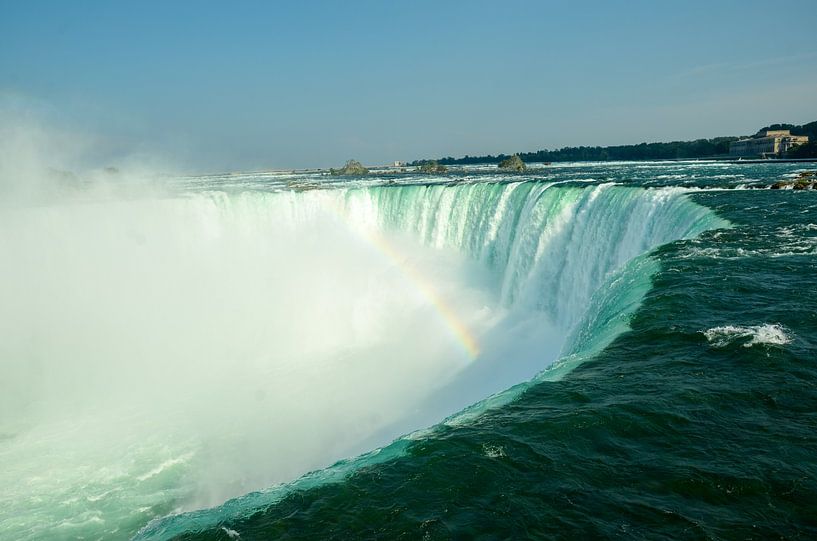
[[264, 356]]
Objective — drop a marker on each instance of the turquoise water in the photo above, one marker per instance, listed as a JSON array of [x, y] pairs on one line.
[[658, 381]]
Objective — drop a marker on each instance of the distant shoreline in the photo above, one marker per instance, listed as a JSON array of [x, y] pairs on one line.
[[391, 169]]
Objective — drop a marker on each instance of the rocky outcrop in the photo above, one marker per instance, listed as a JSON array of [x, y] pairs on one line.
[[807, 180], [432, 167], [352, 167], [514, 163]]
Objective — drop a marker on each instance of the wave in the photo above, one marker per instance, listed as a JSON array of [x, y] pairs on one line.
[[748, 336]]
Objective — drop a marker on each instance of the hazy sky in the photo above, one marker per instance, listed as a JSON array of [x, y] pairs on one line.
[[241, 85]]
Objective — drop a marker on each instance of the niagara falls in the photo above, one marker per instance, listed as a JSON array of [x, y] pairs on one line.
[[309, 271]]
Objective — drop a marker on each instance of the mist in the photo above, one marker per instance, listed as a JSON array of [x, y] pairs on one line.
[[275, 344], [179, 350]]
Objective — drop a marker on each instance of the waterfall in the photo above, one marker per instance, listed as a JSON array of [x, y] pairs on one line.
[[168, 354]]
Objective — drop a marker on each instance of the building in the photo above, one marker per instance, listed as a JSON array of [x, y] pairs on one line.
[[766, 143]]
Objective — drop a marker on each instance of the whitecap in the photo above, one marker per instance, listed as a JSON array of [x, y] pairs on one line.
[[232, 534], [770, 334]]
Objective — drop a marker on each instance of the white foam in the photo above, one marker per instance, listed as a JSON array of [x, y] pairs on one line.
[[770, 334], [232, 534], [493, 451]]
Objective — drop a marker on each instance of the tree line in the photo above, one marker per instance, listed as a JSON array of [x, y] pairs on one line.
[[676, 150]]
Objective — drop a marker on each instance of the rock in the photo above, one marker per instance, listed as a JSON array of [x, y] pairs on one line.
[[807, 180], [432, 167], [352, 167], [514, 163]]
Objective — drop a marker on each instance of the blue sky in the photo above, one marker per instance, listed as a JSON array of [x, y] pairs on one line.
[[243, 85]]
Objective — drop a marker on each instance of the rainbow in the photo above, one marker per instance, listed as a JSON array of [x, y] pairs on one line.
[[458, 329]]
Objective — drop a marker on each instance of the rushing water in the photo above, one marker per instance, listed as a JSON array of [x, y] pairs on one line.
[[581, 350]]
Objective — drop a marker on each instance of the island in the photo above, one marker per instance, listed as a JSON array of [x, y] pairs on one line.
[[352, 167], [514, 163]]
